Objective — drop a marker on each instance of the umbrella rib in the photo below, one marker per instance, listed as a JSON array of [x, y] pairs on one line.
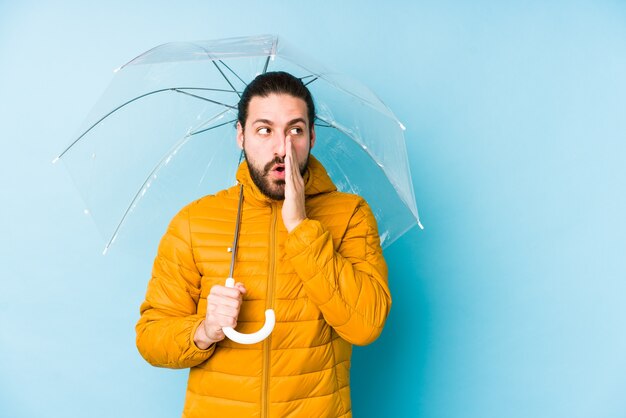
[[232, 71], [369, 154], [202, 88], [226, 78], [322, 125], [133, 100], [309, 82], [212, 127], [156, 168], [205, 99], [267, 63]]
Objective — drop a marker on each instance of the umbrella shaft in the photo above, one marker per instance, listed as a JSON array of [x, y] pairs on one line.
[[236, 237]]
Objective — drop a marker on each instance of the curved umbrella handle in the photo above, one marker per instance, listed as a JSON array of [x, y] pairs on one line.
[[255, 337]]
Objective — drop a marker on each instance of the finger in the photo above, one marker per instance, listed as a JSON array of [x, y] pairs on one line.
[[226, 302], [216, 334], [228, 311], [230, 292], [293, 165], [225, 321], [223, 317], [295, 169], [214, 331], [288, 162]]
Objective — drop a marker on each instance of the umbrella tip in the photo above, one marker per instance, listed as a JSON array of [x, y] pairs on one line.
[[55, 160], [111, 241], [106, 248], [116, 70], [420, 224], [402, 126]]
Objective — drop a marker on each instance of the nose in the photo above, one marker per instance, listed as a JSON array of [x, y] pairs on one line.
[[280, 144]]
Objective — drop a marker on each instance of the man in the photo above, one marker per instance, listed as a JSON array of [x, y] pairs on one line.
[[306, 250]]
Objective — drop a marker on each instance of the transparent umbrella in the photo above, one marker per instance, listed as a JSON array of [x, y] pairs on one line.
[[163, 134]]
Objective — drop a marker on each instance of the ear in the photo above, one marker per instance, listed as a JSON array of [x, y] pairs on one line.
[[239, 135], [312, 141]]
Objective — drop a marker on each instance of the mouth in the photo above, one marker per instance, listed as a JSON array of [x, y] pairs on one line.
[[278, 171], [279, 168]]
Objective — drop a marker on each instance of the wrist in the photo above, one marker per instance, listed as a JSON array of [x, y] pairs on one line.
[[201, 339], [294, 224]]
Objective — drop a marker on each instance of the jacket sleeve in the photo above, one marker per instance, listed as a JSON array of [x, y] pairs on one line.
[[349, 286], [168, 319]]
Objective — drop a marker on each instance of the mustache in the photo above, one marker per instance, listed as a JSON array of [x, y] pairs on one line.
[[276, 160]]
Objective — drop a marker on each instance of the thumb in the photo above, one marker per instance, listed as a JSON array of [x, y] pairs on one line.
[[240, 286]]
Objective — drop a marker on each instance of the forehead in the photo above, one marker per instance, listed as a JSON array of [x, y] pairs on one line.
[[276, 108]]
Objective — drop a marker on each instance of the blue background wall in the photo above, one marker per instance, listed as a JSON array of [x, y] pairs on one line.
[[509, 304]]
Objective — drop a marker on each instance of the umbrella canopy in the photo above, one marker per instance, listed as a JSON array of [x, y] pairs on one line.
[[163, 134]]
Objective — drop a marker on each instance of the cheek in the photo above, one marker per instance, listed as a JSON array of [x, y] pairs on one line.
[[251, 147], [258, 153], [302, 151]]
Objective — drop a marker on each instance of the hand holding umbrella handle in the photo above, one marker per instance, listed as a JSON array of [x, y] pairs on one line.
[[255, 337]]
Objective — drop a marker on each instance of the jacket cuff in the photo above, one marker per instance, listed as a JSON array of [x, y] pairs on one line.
[[301, 237], [194, 353]]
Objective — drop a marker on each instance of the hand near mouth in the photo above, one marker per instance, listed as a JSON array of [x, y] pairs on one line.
[[293, 207]]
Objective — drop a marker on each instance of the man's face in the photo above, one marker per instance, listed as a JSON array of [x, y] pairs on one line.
[[270, 121]]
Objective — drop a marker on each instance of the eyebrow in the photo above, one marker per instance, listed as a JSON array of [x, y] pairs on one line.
[[269, 122]]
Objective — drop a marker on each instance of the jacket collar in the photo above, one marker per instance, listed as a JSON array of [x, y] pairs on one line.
[[316, 181]]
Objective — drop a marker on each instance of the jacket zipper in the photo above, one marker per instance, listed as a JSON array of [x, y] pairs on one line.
[[269, 302]]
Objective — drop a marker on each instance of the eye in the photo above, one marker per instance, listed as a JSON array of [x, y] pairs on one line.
[[296, 131], [263, 131]]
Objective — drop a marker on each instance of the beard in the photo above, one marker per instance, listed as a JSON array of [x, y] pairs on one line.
[[274, 189]]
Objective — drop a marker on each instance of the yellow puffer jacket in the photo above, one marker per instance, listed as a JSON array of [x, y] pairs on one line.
[[326, 281]]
